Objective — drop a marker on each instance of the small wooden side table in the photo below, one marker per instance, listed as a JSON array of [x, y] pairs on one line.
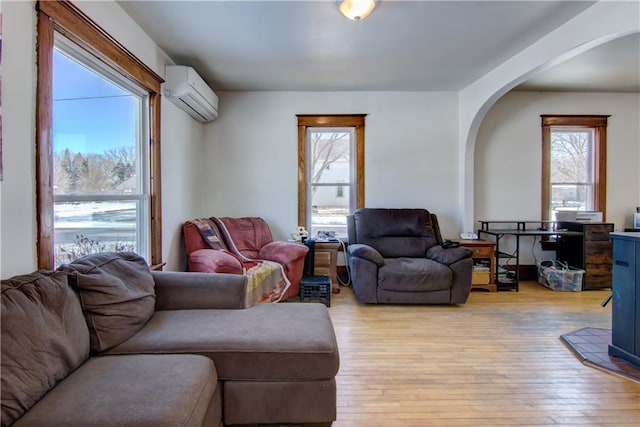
[[483, 255], [325, 262]]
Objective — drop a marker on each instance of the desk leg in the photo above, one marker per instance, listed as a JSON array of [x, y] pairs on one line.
[[498, 262], [517, 263], [496, 258]]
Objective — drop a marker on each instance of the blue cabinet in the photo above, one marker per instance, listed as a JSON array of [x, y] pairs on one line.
[[625, 320]]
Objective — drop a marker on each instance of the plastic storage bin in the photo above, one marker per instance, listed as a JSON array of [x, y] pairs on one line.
[[559, 277], [316, 289]]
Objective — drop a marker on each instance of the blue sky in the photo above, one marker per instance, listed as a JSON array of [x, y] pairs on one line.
[[90, 114]]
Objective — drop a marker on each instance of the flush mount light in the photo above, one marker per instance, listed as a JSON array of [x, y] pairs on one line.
[[356, 10]]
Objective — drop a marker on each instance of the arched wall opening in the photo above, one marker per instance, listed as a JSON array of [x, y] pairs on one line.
[[597, 25]]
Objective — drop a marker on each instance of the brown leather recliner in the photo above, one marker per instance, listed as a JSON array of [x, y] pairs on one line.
[[253, 239], [395, 257]]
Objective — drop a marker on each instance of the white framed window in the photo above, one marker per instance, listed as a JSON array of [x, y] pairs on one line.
[[572, 169], [573, 164], [330, 171], [331, 160], [101, 189], [104, 188]]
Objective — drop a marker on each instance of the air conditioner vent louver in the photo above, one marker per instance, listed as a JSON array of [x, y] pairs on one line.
[[185, 88]]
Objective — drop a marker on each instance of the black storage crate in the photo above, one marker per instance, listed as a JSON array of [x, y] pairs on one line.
[[316, 289]]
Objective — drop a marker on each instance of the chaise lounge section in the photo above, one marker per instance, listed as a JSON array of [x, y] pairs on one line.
[[127, 346]]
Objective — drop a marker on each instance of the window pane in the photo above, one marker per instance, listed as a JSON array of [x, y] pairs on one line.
[[573, 163], [330, 155], [571, 156], [330, 151], [328, 212], [100, 195], [82, 228], [575, 197], [95, 132]]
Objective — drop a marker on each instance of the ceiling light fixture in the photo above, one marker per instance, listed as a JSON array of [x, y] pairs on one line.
[[356, 10]]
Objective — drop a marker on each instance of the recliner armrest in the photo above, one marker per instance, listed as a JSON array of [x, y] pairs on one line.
[[214, 261], [183, 291], [366, 252], [448, 256], [283, 252]]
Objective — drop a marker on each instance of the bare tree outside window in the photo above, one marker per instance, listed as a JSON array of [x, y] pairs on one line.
[[330, 152], [570, 153], [327, 148], [93, 173], [571, 169]]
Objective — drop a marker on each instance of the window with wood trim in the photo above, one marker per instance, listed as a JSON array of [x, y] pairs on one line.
[[330, 170], [98, 175], [574, 164]]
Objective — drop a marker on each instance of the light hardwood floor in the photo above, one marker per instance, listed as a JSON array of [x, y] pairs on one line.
[[497, 360]]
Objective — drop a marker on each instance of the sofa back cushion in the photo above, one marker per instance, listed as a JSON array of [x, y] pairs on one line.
[[248, 234], [44, 338], [117, 295], [394, 232]]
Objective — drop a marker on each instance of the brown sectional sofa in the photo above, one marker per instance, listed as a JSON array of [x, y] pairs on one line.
[[106, 342]]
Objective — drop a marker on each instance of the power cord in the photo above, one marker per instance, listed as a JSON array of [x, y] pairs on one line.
[[346, 264]]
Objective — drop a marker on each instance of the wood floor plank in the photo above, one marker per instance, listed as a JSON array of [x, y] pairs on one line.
[[495, 361]]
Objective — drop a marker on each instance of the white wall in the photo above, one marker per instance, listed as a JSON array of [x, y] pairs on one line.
[[182, 160], [508, 154], [410, 153], [18, 233], [181, 135]]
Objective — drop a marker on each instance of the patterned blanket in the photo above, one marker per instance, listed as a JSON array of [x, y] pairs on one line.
[[266, 280]]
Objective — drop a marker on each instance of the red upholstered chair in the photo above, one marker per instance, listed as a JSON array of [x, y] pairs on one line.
[[252, 238]]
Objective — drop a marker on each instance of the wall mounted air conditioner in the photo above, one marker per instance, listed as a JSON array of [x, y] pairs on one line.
[[185, 88]]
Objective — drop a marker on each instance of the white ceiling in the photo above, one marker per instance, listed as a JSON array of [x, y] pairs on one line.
[[611, 67], [401, 46]]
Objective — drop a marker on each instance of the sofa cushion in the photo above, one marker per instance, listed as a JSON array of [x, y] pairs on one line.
[[137, 390], [44, 338], [264, 342], [117, 295], [414, 275]]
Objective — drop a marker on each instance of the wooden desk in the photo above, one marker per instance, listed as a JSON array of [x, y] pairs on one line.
[[523, 229], [483, 253], [591, 251]]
